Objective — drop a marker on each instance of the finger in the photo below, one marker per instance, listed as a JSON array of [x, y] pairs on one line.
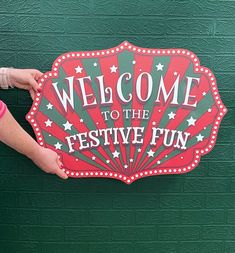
[[32, 93], [22, 86], [59, 162], [59, 172], [34, 84]]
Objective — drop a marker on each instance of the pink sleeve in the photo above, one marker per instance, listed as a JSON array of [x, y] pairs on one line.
[[3, 108]]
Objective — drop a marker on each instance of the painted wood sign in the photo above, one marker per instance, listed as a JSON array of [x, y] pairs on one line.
[[127, 112]]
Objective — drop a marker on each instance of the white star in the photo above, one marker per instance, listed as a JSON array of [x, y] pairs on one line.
[[134, 62], [107, 161], [209, 110], [115, 154], [175, 73], [139, 150], [159, 66], [125, 166], [204, 93], [199, 137], [191, 121], [158, 162], [131, 160], [150, 153], [93, 158], [49, 106], [67, 126], [154, 123], [95, 64], [113, 69], [81, 120], [171, 115], [78, 69], [58, 145], [48, 123]]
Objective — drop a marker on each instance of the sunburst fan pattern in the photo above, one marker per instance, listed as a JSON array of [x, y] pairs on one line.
[[127, 138]]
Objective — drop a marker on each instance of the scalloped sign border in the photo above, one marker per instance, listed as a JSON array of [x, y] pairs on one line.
[[39, 115]]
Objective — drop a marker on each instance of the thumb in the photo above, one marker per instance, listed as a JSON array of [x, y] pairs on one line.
[[36, 73]]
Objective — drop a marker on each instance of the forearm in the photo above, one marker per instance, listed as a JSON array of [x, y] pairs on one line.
[[12, 134]]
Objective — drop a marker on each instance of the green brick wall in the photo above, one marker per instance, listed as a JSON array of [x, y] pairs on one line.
[[189, 213]]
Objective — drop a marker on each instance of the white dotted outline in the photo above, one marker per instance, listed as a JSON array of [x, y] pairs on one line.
[[120, 48]]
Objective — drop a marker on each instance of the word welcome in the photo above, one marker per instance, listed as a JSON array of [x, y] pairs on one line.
[[107, 94]]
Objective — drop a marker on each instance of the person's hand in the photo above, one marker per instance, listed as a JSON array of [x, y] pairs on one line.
[[48, 161], [26, 79]]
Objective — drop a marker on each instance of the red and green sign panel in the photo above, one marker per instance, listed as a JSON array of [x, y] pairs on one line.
[[127, 112]]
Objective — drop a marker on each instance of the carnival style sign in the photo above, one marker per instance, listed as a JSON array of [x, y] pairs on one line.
[[127, 112]]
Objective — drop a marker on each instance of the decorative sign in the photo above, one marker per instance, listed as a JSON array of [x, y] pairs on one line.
[[127, 112]]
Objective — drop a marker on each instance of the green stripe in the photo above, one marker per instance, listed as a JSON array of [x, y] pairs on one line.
[[125, 60]]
